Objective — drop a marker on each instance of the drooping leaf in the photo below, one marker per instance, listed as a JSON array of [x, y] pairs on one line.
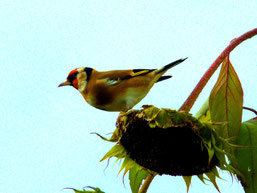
[[127, 164], [212, 177], [246, 158], [116, 151], [136, 176], [226, 101], [94, 190], [215, 172], [136, 172], [211, 152], [187, 180], [200, 176], [102, 137]]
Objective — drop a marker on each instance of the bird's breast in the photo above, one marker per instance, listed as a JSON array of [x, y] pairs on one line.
[[120, 97]]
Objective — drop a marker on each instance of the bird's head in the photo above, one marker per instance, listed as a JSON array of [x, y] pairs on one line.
[[78, 78]]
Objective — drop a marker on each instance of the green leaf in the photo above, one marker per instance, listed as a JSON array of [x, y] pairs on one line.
[[246, 158], [95, 190], [127, 164], [200, 176], [187, 180], [103, 138], [151, 112], [136, 176], [203, 114], [116, 151], [212, 177], [226, 101], [162, 120]]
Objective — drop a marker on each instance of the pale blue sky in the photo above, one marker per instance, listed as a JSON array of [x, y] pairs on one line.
[[45, 137]]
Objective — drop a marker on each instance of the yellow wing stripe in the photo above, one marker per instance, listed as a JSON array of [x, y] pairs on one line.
[[139, 72]]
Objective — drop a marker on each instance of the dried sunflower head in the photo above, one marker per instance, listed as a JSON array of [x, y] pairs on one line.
[[165, 141]]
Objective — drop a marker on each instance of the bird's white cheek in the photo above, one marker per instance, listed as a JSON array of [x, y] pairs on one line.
[[82, 86]]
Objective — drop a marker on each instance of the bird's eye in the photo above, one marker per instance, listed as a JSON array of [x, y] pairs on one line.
[[72, 77]]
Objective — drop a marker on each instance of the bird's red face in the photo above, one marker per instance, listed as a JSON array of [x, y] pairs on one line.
[[72, 79]]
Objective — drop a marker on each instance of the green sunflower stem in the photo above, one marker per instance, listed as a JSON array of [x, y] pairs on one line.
[[146, 183], [206, 77]]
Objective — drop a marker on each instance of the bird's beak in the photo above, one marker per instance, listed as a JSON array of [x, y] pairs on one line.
[[65, 83]]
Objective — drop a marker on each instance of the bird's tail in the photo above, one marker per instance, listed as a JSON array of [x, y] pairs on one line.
[[168, 66]]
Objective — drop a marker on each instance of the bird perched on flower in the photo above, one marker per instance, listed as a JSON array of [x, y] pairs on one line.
[[115, 90]]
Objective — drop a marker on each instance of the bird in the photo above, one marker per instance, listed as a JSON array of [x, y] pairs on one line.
[[116, 90]]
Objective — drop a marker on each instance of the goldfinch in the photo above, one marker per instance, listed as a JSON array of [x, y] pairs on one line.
[[116, 90]]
